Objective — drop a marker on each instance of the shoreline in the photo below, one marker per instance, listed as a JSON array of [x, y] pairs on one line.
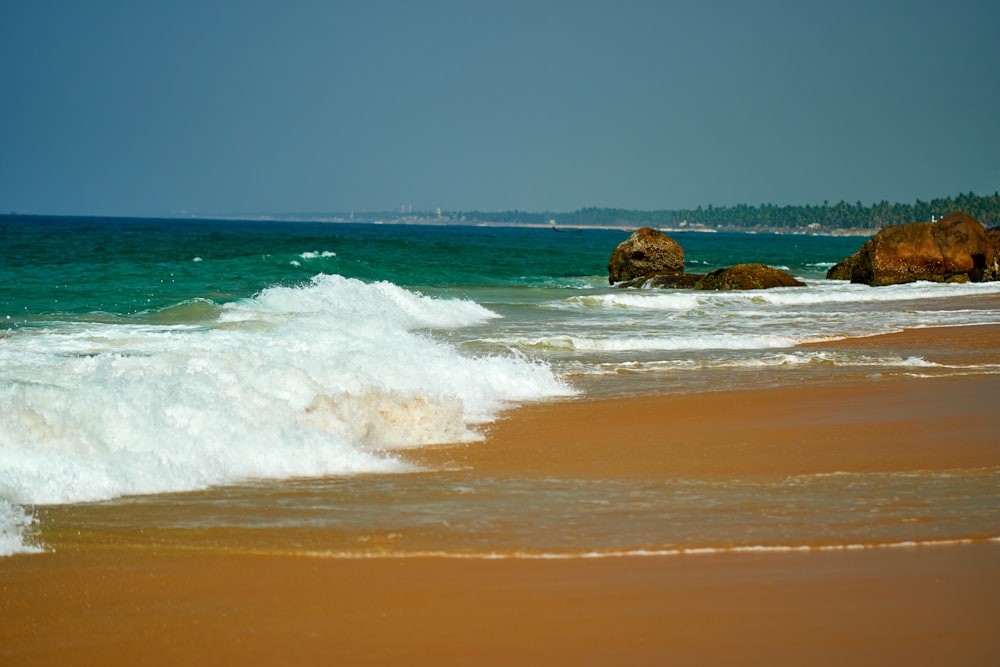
[[822, 427], [433, 222], [106, 600]]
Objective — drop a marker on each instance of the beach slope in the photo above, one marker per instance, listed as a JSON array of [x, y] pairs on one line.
[[136, 602]]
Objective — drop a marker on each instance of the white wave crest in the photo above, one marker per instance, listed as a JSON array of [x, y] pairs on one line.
[[323, 379], [350, 300]]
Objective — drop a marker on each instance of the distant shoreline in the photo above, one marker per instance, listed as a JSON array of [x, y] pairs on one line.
[[433, 222], [826, 219]]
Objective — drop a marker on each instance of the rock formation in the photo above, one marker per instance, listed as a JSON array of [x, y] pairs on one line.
[[955, 248], [647, 252], [992, 271], [747, 276]]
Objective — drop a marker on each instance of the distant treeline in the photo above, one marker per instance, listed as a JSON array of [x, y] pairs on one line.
[[766, 216]]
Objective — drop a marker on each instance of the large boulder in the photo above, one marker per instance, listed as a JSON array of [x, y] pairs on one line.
[[747, 276], [955, 248], [647, 252]]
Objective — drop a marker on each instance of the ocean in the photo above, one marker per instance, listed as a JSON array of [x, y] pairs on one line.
[[195, 377]]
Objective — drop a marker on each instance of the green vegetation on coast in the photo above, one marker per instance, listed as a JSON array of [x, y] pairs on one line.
[[829, 218], [826, 216]]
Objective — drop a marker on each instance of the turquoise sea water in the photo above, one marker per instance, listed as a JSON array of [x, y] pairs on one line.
[[143, 358], [135, 267]]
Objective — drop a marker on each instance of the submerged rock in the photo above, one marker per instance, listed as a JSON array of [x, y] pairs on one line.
[[955, 248], [646, 253], [747, 276], [662, 281]]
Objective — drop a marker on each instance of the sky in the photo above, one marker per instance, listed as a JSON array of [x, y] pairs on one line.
[[207, 107]]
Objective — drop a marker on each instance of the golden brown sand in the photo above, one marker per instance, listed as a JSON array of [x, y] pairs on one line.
[[923, 606], [905, 605]]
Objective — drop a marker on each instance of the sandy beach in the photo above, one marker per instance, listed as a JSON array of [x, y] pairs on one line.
[[915, 606], [131, 602]]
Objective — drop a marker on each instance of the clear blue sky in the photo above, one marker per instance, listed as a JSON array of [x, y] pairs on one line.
[[153, 108]]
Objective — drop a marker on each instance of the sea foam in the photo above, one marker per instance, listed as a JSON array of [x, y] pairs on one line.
[[327, 378], [624, 343], [13, 521], [818, 292]]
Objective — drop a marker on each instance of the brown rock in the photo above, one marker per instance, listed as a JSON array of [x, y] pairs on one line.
[[842, 270], [747, 276], [647, 252], [992, 271], [955, 248]]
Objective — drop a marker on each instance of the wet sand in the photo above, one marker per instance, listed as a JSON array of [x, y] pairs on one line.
[[921, 606], [873, 424], [917, 605]]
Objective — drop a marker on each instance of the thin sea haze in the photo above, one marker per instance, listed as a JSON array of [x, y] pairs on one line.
[[251, 386]]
